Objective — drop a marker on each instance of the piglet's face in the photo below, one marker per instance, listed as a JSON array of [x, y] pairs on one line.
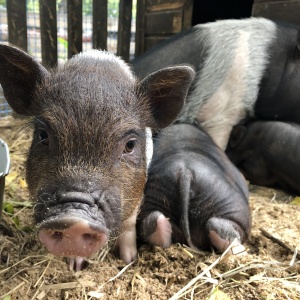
[[92, 119]]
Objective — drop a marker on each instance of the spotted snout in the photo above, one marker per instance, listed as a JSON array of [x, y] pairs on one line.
[[71, 229], [72, 237]]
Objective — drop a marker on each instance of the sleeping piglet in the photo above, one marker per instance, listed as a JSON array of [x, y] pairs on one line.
[[193, 194], [267, 153]]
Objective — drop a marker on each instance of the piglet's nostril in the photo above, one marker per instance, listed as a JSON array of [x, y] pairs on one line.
[[57, 235], [78, 197], [90, 237]]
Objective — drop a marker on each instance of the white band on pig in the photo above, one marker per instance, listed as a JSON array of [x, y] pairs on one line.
[[228, 82], [149, 146], [105, 56]]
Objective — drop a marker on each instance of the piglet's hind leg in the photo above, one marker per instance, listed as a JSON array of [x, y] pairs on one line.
[[223, 232], [157, 229]]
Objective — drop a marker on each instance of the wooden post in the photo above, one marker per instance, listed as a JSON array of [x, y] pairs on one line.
[[74, 27], [140, 28], [187, 14], [48, 21], [100, 24], [17, 23], [124, 29]]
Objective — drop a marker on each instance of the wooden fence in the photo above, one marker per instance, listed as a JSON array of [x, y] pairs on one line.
[[281, 10], [17, 27]]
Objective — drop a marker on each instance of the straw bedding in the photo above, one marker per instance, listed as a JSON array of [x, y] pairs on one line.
[[269, 270]]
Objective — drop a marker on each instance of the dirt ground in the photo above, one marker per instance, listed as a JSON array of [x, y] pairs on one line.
[[269, 270]]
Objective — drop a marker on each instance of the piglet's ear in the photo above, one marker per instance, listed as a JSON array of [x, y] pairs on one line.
[[166, 90], [237, 134], [19, 76]]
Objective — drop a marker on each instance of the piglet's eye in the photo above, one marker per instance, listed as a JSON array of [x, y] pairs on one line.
[[43, 136], [129, 147]]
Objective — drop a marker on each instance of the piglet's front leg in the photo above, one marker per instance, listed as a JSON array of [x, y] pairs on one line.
[[127, 239]]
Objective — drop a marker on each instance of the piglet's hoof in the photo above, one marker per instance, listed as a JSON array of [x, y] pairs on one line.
[[157, 230], [222, 233]]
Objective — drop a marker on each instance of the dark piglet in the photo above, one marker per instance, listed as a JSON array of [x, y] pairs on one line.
[[246, 67], [193, 194], [267, 153], [86, 167]]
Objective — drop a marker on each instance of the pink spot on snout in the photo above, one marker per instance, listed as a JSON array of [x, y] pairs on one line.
[[79, 239]]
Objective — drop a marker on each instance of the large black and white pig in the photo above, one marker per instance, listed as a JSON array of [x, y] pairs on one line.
[[248, 67], [87, 164], [193, 194], [267, 153]]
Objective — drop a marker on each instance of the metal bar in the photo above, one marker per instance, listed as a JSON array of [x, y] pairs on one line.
[[124, 29], [17, 23], [48, 21], [74, 27], [2, 185], [140, 28], [100, 24]]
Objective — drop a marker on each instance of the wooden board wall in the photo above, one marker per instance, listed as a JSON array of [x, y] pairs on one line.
[[159, 19], [278, 10]]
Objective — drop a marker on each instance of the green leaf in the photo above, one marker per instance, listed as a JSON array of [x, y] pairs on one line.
[[296, 201], [16, 220], [9, 208], [63, 42], [16, 204], [218, 295], [27, 229]]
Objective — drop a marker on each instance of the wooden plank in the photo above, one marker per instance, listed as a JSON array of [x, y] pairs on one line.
[[48, 21], [271, 1], [100, 24], [74, 8], [140, 28], [159, 6], [279, 11], [124, 29], [187, 14], [159, 19], [150, 3], [163, 23], [17, 23]]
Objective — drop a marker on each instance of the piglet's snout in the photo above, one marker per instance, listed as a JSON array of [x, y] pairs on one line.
[[79, 239], [73, 235]]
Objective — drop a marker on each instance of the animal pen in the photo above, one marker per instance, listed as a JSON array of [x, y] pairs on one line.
[[52, 31]]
